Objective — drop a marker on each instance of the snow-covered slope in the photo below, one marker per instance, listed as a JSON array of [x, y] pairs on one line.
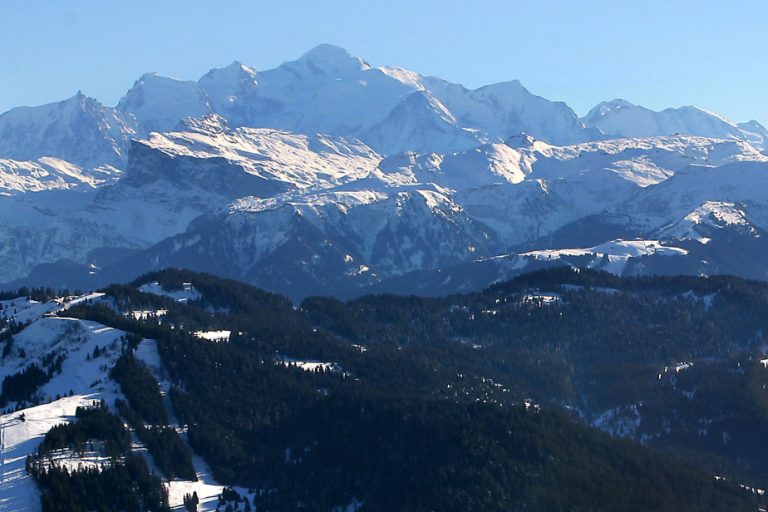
[[711, 214], [742, 183], [329, 91], [330, 212], [170, 180], [331, 170], [332, 240], [505, 109], [610, 256], [79, 130], [49, 173], [87, 351], [296, 161], [619, 118], [81, 380], [159, 103], [420, 123], [18, 491]]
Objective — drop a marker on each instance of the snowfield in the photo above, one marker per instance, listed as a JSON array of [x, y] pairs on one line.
[[82, 381], [617, 253], [217, 336], [308, 365], [186, 294], [369, 157], [18, 491]]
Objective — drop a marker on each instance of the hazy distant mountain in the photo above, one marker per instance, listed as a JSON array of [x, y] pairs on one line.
[[79, 130], [328, 175], [619, 118]]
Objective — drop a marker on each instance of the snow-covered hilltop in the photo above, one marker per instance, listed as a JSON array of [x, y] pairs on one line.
[[76, 357], [328, 175]]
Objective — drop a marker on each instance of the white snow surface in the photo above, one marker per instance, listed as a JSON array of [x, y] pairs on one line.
[[619, 118], [82, 376], [18, 492], [87, 379], [715, 214], [354, 150], [187, 292], [307, 365], [617, 252], [48, 173], [298, 160], [220, 336]]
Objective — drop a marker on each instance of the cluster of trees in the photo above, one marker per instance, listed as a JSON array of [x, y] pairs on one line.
[[604, 346], [145, 404], [426, 400], [92, 423], [39, 294], [21, 385], [9, 329], [140, 388], [169, 452], [126, 487], [191, 501], [125, 484], [231, 501]]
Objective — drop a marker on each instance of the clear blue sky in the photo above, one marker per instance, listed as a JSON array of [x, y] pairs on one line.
[[655, 53]]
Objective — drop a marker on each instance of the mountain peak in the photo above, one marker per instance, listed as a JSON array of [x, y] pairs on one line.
[[326, 58], [154, 77], [158, 102], [753, 125], [77, 100], [224, 84], [236, 67], [209, 124], [327, 51], [700, 111], [605, 107], [618, 103], [504, 88]]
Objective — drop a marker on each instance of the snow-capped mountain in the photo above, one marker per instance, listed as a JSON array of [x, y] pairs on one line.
[[308, 215], [48, 173], [158, 103], [326, 91], [506, 109], [329, 91], [169, 181], [79, 130], [620, 118], [329, 172]]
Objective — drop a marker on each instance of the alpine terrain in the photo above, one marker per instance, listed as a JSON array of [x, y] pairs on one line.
[[335, 287], [326, 175]]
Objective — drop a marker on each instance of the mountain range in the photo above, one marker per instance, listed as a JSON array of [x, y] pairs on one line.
[[327, 175]]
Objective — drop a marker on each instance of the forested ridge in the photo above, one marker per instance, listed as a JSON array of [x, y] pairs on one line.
[[475, 402]]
